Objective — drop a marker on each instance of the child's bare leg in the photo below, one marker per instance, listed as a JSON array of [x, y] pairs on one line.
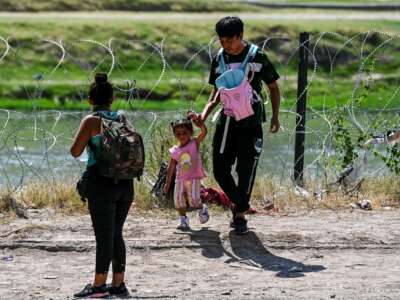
[[240, 215], [182, 208], [182, 211]]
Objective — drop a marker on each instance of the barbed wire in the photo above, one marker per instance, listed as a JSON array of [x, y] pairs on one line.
[[34, 145]]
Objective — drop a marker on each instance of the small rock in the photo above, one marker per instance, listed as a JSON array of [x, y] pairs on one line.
[[7, 258], [50, 277], [333, 296], [299, 191], [365, 204], [319, 195], [269, 206], [226, 293]]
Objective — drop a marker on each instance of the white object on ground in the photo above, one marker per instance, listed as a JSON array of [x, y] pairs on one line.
[[299, 191]]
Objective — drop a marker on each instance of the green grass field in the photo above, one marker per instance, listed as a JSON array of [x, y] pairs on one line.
[[155, 5], [184, 35], [334, 1], [137, 5]]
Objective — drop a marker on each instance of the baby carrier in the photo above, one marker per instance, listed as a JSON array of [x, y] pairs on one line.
[[234, 90]]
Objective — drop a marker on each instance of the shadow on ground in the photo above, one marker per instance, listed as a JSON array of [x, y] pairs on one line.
[[249, 250]]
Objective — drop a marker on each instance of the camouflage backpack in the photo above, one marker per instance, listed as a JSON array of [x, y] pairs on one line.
[[122, 150]]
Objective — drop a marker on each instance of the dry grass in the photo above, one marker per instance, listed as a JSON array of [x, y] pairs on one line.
[[62, 197], [382, 192]]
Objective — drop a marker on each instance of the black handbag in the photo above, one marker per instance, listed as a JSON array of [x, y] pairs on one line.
[[82, 186], [157, 190]]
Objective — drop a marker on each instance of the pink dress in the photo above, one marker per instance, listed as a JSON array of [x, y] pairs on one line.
[[189, 172]]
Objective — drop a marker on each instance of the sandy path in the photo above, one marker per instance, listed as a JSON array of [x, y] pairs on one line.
[[310, 255]]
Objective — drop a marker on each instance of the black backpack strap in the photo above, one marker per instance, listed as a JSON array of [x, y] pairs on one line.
[[101, 115], [122, 118]]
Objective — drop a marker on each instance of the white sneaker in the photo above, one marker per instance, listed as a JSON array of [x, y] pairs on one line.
[[203, 214], [183, 224]]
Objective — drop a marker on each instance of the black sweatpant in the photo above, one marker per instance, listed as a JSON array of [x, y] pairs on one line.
[[243, 146], [109, 204]]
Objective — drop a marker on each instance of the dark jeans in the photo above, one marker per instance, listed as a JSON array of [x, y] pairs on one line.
[[109, 204], [243, 146]]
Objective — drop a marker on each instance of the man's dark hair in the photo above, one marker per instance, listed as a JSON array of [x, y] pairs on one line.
[[229, 27]]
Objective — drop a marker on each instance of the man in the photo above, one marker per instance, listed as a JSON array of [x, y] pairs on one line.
[[242, 139]]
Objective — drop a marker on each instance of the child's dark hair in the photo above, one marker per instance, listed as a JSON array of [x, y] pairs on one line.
[[101, 91], [187, 123], [229, 27]]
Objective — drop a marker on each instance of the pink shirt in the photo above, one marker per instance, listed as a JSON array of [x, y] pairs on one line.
[[188, 162]]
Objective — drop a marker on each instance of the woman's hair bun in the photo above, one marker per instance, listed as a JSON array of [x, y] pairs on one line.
[[100, 78]]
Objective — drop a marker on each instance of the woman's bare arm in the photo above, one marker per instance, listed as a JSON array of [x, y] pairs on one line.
[[89, 126]]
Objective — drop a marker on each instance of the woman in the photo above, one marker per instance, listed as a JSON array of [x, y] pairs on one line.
[[108, 200]]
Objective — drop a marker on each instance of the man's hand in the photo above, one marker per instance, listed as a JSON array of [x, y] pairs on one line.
[[274, 125], [275, 103]]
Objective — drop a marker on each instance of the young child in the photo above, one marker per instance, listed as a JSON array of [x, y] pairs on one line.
[[185, 157]]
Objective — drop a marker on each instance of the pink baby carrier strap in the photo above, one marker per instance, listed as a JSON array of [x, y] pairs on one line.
[[236, 101]]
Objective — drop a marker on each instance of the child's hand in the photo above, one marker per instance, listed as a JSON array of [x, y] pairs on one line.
[[196, 119], [192, 115]]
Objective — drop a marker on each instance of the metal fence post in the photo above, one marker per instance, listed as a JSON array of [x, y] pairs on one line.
[[301, 110]]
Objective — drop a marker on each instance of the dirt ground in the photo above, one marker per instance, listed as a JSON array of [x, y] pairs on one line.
[[301, 255]]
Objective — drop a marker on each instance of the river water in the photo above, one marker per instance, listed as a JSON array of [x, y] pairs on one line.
[[35, 146]]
